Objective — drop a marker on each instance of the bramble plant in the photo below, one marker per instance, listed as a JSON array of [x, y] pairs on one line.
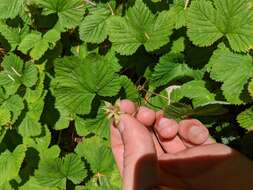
[[64, 63]]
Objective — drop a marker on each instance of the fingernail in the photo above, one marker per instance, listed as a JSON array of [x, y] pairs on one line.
[[195, 130], [121, 126]]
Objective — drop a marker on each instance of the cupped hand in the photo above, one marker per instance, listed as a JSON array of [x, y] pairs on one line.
[[154, 152]]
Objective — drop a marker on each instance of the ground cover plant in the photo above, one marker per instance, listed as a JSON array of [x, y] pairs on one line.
[[64, 63]]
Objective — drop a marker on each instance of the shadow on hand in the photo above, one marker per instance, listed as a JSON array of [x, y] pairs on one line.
[[214, 161]]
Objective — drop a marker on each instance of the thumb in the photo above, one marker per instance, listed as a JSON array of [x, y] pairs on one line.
[[140, 170]]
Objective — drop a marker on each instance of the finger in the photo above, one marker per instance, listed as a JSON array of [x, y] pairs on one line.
[[140, 160], [166, 128], [117, 147], [159, 150], [146, 116], [142, 115], [193, 132], [169, 145], [127, 106]]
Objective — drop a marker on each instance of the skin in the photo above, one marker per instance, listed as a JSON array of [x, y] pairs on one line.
[[154, 152]]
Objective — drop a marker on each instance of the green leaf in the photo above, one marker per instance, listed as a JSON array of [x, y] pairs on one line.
[[10, 163], [79, 80], [139, 27], [10, 8], [130, 91], [5, 116], [93, 28], [179, 13], [245, 119], [41, 144], [98, 125], [34, 184], [181, 111], [28, 41], [194, 90], [178, 45], [100, 159], [69, 12], [37, 44], [52, 36], [250, 88], [15, 105], [39, 49], [10, 34], [65, 118], [30, 125], [208, 22], [55, 172], [170, 67], [233, 70], [16, 72], [158, 102]]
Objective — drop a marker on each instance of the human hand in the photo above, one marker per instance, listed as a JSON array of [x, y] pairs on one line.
[[155, 152]]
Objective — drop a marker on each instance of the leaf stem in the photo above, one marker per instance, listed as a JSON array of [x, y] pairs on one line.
[[186, 4], [110, 9], [90, 2]]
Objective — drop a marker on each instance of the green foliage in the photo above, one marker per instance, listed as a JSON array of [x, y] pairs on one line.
[[139, 27], [55, 172], [209, 21], [10, 163], [234, 70], [69, 12], [170, 67], [94, 26], [246, 119], [37, 44], [10, 8], [61, 60]]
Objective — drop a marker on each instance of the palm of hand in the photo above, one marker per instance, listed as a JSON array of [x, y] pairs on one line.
[[170, 155]]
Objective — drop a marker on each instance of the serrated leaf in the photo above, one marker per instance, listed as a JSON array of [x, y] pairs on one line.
[[41, 144], [93, 28], [245, 119], [64, 120], [179, 13], [178, 45], [158, 102], [100, 159], [30, 125], [194, 90], [15, 105], [39, 49], [98, 125], [128, 33], [10, 8], [208, 22], [16, 72], [181, 111], [78, 81], [10, 163], [233, 70], [55, 172], [250, 88], [69, 12], [130, 91], [5, 116], [170, 67], [28, 41], [38, 44], [10, 34], [34, 184]]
